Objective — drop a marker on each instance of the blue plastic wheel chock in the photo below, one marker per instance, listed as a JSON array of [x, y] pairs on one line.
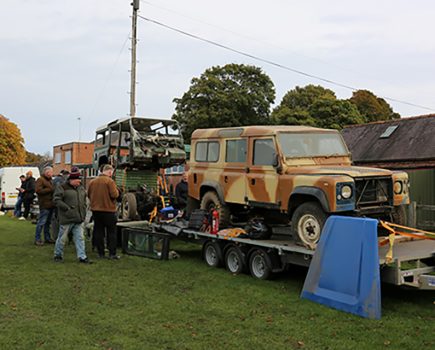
[[344, 273]]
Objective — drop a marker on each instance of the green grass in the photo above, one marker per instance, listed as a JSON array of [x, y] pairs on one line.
[[139, 303]]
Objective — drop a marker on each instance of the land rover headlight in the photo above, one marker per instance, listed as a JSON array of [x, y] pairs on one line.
[[346, 191], [398, 187]]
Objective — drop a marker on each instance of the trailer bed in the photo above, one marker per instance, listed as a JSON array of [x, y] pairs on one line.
[[413, 262]]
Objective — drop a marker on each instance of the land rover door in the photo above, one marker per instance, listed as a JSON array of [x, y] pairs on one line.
[[261, 173]]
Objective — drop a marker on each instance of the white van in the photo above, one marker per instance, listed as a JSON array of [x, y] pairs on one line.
[[9, 181]]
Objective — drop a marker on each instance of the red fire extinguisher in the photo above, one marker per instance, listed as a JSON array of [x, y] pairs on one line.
[[214, 222]]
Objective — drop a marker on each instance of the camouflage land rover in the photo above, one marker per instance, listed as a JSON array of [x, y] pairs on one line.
[[289, 173]]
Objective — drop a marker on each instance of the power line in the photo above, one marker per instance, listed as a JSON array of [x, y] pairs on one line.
[[257, 58]]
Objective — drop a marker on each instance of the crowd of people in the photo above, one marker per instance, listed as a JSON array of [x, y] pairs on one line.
[[62, 209]]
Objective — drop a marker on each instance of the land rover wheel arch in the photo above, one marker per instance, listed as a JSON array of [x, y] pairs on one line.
[[307, 223], [211, 200]]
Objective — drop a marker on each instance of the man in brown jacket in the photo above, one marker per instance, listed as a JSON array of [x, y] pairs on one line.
[[102, 193], [44, 189]]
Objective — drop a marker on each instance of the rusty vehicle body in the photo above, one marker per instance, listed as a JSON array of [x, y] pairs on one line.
[[289, 173], [138, 148]]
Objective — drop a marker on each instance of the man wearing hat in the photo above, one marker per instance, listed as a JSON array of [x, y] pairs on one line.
[[70, 200]]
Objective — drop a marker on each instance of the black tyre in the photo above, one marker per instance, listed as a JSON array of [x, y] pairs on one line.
[[260, 264], [235, 260], [211, 200], [212, 254], [307, 224], [398, 216], [129, 207]]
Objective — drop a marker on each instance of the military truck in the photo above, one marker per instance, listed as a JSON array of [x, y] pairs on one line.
[[291, 176], [138, 148]]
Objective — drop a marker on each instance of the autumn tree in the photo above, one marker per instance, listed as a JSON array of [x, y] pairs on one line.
[[232, 95], [12, 150], [371, 107], [317, 106]]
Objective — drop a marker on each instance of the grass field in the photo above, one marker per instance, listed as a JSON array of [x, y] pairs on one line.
[[139, 303]]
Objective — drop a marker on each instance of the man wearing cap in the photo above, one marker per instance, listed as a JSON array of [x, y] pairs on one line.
[[70, 200], [44, 189], [102, 193]]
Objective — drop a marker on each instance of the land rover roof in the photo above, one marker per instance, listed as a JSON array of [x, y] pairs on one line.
[[256, 130]]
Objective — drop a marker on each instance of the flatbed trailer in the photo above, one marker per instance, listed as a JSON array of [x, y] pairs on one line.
[[412, 265]]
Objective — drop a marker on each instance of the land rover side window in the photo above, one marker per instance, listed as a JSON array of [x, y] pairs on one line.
[[207, 151], [264, 152], [236, 151]]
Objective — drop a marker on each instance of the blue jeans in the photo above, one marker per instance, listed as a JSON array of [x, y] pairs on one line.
[[78, 238], [44, 221], [17, 210]]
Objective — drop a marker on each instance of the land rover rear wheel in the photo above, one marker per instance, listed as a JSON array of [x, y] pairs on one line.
[[211, 200], [307, 224]]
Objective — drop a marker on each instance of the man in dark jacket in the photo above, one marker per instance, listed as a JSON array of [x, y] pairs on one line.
[[70, 200], [28, 193], [18, 204], [44, 189], [181, 193], [103, 193]]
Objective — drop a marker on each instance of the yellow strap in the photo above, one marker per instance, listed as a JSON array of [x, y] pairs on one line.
[[389, 256], [153, 214]]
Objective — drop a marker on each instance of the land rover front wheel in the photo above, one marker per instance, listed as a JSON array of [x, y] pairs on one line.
[[307, 223], [211, 200]]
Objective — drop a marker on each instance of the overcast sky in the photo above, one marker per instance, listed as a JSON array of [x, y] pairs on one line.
[[64, 59]]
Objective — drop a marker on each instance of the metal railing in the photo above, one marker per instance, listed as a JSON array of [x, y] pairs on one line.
[[414, 216]]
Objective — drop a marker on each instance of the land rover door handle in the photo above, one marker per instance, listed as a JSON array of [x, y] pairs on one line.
[[252, 181], [226, 179], [247, 170]]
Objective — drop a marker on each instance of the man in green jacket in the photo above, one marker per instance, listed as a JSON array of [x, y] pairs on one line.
[[70, 200]]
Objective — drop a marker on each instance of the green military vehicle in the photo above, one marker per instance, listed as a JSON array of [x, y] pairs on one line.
[[138, 148], [290, 176]]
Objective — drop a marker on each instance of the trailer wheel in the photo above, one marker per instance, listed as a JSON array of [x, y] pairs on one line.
[[260, 264], [307, 223], [234, 260], [212, 253], [128, 207]]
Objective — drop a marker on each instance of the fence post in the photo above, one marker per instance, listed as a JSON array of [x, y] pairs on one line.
[[412, 214]]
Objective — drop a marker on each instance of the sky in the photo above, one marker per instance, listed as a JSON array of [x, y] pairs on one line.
[[61, 60]]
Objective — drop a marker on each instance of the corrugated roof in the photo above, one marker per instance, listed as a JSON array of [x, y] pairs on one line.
[[412, 140]]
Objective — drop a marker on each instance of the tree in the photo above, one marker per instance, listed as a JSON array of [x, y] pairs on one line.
[[315, 106], [12, 150], [232, 95], [35, 158], [335, 114], [373, 108]]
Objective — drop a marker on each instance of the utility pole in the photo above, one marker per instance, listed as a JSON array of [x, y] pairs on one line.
[[135, 5], [80, 128]]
